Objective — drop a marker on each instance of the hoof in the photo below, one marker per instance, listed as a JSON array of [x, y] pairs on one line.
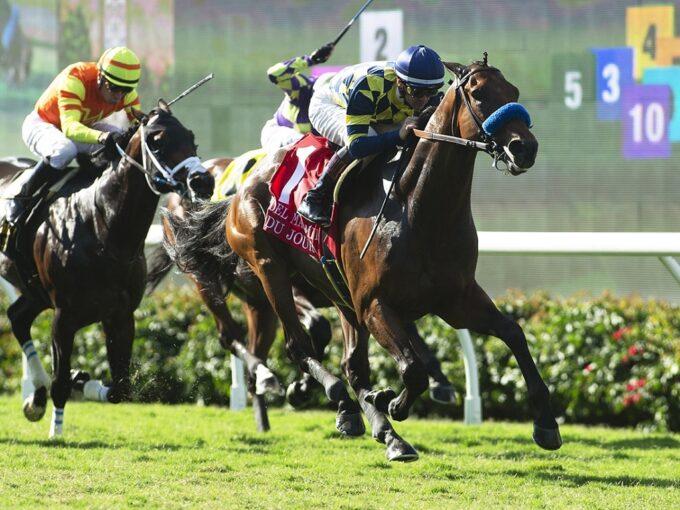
[[266, 381], [296, 394], [548, 439], [36, 404], [351, 425], [399, 450], [443, 393], [78, 380], [394, 413], [380, 399]]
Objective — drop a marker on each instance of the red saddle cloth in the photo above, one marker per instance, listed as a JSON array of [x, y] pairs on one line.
[[300, 169]]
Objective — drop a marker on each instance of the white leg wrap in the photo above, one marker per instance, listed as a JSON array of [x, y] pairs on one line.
[[95, 390], [265, 381], [57, 426], [38, 375]]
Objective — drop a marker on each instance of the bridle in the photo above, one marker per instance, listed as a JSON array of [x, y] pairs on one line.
[[488, 144], [160, 176]]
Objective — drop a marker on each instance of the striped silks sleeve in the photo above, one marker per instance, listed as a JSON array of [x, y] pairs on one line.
[[288, 75], [70, 102]]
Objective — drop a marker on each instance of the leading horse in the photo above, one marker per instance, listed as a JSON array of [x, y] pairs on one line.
[[421, 260], [86, 261]]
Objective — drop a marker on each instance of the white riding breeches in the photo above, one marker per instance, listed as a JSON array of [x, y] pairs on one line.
[[47, 142], [329, 119], [274, 136]]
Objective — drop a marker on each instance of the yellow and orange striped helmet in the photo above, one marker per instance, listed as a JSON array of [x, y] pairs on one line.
[[120, 66]]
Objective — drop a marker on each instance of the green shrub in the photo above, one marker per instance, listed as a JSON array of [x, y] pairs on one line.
[[606, 360]]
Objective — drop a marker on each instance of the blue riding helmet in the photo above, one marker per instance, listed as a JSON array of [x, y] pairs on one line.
[[420, 67]]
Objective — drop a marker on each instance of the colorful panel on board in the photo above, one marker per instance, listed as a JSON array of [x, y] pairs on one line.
[[646, 109], [668, 51], [572, 79], [614, 71], [667, 76], [644, 26]]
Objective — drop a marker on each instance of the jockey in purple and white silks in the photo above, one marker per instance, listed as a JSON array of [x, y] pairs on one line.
[[291, 120]]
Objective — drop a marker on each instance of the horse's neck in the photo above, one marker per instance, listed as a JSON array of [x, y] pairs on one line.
[[125, 207], [437, 183]]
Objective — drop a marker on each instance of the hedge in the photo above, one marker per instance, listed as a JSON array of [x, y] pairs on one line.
[[606, 360]]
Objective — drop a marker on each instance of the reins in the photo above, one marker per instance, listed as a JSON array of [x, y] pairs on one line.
[[150, 161]]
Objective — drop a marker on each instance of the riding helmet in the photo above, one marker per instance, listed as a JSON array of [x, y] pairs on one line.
[[420, 67], [120, 66]]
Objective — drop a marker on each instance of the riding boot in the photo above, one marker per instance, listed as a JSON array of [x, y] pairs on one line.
[[40, 174], [318, 202]]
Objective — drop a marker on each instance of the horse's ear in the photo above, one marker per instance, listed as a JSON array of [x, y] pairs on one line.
[[140, 116], [457, 69]]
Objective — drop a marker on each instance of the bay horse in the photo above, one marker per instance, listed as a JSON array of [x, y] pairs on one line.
[[196, 243], [85, 256], [421, 260]]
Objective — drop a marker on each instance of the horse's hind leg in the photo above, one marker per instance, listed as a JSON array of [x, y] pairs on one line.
[[21, 314], [440, 388], [277, 286], [319, 330], [356, 368], [120, 332], [480, 314]]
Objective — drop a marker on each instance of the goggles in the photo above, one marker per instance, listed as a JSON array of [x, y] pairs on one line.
[[421, 92], [116, 89]]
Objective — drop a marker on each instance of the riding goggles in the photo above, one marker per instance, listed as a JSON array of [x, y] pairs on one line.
[[116, 88], [418, 92]]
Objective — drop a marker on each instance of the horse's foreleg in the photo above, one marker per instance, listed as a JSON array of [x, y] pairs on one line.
[[480, 314], [299, 347], [21, 315], [63, 331], [440, 388], [386, 326], [120, 332], [356, 368]]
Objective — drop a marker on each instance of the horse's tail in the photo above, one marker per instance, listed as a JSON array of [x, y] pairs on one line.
[[158, 265], [200, 243]]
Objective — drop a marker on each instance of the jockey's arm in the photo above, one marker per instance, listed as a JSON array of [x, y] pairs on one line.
[[288, 75]]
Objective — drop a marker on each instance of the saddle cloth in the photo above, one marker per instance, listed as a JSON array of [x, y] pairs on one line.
[[298, 172]]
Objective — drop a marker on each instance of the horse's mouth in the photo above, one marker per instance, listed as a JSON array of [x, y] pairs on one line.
[[513, 167]]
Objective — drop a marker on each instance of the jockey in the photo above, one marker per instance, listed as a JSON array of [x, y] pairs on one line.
[[367, 109], [67, 118], [291, 119]]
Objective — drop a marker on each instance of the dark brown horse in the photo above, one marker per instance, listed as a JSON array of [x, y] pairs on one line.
[[198, 246], [85, 258], [422, 259]]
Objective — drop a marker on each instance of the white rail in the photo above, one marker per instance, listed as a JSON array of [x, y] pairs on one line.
[[664, 245]]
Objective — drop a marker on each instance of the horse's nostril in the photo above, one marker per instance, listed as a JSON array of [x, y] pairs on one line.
[[523, 152]]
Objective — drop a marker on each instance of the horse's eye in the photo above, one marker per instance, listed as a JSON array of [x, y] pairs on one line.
[[478, 95]]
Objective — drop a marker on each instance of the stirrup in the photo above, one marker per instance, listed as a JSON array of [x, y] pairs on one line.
[[6, 233]]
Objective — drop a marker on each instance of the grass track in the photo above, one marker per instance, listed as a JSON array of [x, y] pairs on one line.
[[153, 456]]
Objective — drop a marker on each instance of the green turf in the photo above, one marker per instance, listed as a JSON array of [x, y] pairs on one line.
[[153, 456]]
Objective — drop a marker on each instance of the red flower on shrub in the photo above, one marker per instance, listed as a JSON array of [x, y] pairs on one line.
[[631, 399], [630, 387], [634, 349], [641, 383], [619, 333], [588, 368]]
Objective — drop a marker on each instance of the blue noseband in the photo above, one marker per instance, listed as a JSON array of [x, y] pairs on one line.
[[505, 114]]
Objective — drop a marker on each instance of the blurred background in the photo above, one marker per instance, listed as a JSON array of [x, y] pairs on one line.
[[601, 79]]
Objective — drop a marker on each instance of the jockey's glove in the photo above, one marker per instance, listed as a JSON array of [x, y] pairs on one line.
[[109, 141], [322, 54]]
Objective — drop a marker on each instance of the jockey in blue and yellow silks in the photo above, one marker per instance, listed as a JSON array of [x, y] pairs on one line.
[[367, 109], [291, 119]]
